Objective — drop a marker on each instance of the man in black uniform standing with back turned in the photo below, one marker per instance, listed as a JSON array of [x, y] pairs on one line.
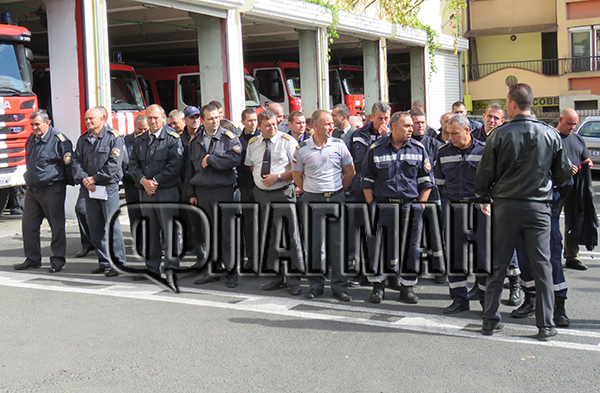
[[48, 171], [521, 162]]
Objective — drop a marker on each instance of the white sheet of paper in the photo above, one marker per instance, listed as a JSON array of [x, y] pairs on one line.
[[100, 193]]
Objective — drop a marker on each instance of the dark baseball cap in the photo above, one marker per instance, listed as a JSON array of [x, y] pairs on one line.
[[191, 111]]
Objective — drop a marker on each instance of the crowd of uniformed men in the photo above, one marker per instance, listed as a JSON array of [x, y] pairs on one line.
[[198, 157]]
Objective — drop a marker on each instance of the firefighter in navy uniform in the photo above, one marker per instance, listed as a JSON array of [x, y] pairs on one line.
[[155, 165], [48, 172], [455, 177], [98, 160], [397, 169], [210, 178]]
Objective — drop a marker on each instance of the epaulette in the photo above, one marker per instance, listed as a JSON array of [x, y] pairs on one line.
[[252, 140], [376, 143], [230, 134], [337, 140], [448, 143], [140, 134], [114, 132], [286, 136], [416, 142], [174, 134], [301, 145], [61, 137]]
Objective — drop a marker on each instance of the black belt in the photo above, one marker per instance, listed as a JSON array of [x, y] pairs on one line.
[[277, 189], [392, 200], [327, 194]]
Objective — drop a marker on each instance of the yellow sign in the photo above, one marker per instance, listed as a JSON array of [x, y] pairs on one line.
[[537, 102]]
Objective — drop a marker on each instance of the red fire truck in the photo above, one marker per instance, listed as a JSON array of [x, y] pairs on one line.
[[127, 100], [17, 103], [179, 87], [280, 82]]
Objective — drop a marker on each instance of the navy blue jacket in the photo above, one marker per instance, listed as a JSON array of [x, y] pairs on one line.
[[455, 173], [103, 160], [225, 152], [397, 173], [48, 159]]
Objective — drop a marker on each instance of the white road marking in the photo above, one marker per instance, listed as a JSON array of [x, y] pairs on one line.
[[415, 322]]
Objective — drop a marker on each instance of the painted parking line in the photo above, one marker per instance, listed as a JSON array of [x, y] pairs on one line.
[[303, 309]]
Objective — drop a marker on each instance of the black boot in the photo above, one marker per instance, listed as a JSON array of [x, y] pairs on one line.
[[527, 308], [407, 295], [560, 315], [378, 293], [514, 298]]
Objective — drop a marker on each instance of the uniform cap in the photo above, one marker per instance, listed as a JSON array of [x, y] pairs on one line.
[[191, 111]]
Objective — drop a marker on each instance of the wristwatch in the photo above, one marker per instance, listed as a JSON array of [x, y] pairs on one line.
[[279, 178]]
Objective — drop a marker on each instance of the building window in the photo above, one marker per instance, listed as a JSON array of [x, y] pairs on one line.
[[588, 104], [584, 48]]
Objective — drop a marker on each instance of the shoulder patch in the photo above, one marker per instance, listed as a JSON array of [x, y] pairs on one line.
[[237, 149], [286, 136], [114, 132], [230, 134], [301, 145], [416, 142], [174, 134], [252, 140], [61, 137], [427, 164]]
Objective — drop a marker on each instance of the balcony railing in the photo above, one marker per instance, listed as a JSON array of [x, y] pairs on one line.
[[546, 67]]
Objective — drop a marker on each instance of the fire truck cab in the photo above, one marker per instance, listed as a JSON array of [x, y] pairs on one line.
[[17, 102]]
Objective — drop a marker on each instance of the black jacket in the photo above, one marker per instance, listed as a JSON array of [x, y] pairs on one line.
[[522, 160], [225, 152], [48, 159], [161, 161], [583, 228], [102, 159]]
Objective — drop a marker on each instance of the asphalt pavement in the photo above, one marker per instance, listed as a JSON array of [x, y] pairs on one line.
[[77, 332]]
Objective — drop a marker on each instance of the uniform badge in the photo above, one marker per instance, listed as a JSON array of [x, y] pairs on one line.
[[180, 151], [237, 149], [115, 152], [67, 158], [427, 164]]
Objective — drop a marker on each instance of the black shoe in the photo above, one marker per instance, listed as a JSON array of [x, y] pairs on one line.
[[378, 293], [560, 315], [295, 290], [488, 328], [112, 273], [527, 308], [232, 281], [354, 282], [55, 269], [343, 296], [514, 298], [99, 269], [439, 279], [205, 279], [407, 295], [456, 307], [473, 294], [313, 293], [545, 333], [26, 265], [83, 252], [393, 284], [272, 286], [575, 264]]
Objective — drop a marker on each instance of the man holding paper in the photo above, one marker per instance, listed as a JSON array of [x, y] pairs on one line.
[[97, 166]]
